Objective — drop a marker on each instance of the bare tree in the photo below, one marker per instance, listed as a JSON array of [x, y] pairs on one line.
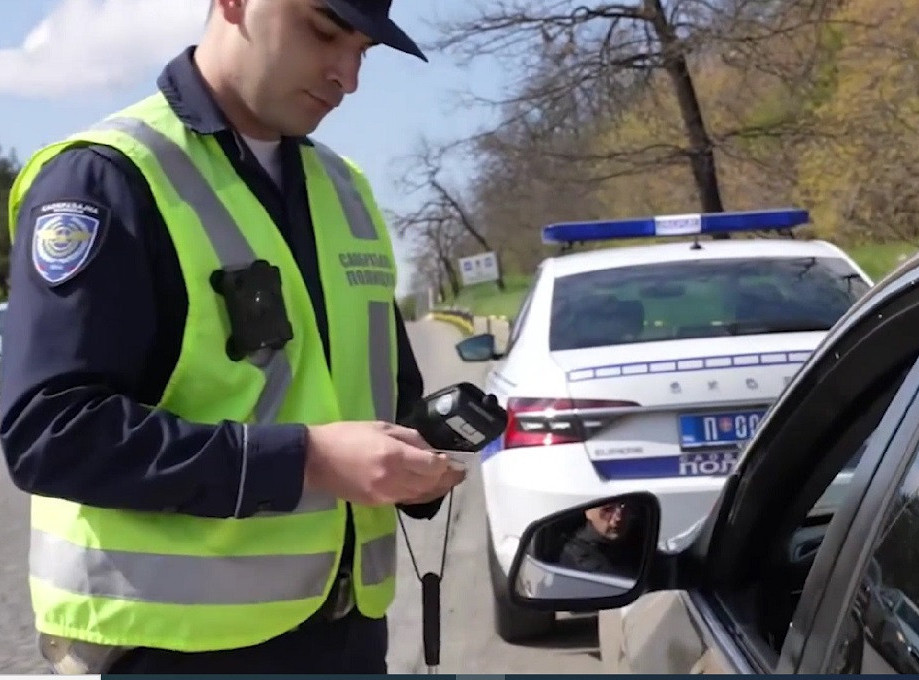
[[428, 267], [435, 236], [444, 216], [580, 61], [519, 190]]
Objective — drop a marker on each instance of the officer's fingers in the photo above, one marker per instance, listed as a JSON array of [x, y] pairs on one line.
[[408, 436], [423, 463], [440, 488], [397, 484], [448, 479], [411, 485], [452, 477]]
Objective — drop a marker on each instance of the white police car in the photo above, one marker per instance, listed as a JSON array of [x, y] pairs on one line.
[[647, 368]]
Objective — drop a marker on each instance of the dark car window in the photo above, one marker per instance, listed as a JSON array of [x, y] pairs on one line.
[[708, 298], [887, 601]]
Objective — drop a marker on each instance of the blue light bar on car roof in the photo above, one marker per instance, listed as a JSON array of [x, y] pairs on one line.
[[674, 225]]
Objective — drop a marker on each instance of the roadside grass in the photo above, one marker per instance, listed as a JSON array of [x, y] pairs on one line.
[[484, 299], [879, 259]]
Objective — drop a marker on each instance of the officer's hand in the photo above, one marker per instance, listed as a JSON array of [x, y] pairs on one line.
[[372, 463], [449, 479]]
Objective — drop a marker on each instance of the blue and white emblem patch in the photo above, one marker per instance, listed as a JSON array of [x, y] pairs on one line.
[[63, 238]]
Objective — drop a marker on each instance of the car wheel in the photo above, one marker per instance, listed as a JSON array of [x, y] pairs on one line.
[[512, 622]]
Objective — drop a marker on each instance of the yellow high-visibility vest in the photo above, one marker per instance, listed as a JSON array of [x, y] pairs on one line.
[[174, 581]]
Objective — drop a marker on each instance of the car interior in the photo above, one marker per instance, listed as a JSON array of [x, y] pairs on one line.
[[657, 311], [807, 519], [597, 320], [766, 605]]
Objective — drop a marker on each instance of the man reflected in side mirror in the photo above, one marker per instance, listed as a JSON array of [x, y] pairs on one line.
[[607, 543]]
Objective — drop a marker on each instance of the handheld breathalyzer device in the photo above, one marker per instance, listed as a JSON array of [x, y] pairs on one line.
[[460, 421]]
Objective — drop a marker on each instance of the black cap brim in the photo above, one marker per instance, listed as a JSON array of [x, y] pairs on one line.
[[379, 29]]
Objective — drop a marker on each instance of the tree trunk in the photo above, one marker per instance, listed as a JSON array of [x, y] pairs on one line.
[[451, 275], [440, 286], [701, 154], [468, 225], [500, 265]]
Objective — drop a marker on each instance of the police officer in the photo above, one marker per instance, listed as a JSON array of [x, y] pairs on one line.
[[204, 366]]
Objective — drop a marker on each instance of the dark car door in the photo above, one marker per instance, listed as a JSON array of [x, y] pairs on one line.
[[867, 620], [767, 554]]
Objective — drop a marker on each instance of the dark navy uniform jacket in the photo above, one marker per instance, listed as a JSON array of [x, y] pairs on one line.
[[86, 349]]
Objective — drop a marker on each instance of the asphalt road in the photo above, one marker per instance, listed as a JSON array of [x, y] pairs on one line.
[[469, 644], [17, 638]]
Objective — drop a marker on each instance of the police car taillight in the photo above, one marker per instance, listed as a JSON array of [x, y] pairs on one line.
[[536, 421]]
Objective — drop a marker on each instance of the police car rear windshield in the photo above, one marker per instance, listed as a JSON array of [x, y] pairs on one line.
[[701, 299]]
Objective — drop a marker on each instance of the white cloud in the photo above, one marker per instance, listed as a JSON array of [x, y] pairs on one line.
[[86, 45]]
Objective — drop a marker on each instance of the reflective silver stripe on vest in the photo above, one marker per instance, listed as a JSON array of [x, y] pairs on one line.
[[350, 198], [381, 378], [228, 241], [278, 377], [177, 579], [378, 559], [362, 227]]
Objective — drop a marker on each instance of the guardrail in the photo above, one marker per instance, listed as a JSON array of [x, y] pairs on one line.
[[470, 324], [461, 318]]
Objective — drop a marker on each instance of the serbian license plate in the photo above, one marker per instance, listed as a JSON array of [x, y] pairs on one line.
[[718, 429]]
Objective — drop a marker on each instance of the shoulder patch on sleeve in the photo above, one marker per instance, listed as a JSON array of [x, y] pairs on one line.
[[64, 236]]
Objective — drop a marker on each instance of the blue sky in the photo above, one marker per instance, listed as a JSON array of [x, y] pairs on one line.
[[66, 63]]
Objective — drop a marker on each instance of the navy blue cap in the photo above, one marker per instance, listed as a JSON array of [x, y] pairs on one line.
[[371, 17]]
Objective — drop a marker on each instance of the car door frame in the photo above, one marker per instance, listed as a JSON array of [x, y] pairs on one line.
[[727, 539], [840, 584]]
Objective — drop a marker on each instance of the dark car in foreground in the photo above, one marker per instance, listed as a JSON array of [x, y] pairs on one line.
[[809, 561]]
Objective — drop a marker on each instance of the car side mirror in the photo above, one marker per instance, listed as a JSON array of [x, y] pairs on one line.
[[478, 348], [587, 558]]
